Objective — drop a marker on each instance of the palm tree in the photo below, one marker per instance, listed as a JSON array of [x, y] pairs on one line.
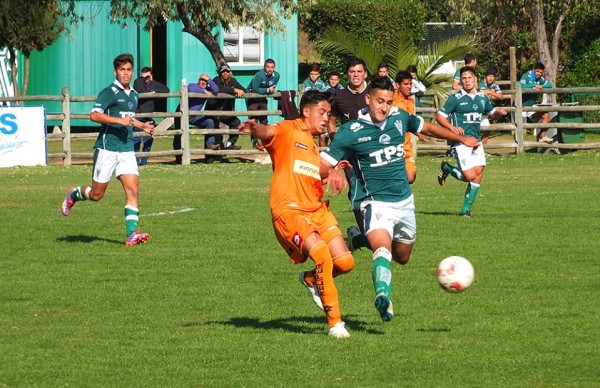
[[399, 53]]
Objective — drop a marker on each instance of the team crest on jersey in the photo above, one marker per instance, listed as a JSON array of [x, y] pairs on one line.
[[475, 107], [398, 125], [355, 127], [130, 105], [300, 145], [385, 139], [297, 240]]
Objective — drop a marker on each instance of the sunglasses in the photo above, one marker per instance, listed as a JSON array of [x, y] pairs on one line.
[[203, 79]]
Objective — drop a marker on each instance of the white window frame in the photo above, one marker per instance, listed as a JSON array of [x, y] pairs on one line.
[[240, 34]]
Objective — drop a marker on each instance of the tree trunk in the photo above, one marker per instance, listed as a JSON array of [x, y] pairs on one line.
[[13, 70], [26, 75], [543, 47]]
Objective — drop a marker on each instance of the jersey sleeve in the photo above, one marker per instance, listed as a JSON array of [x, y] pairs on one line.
[[415, 123], [449, 107], [340, 146], [489, 108], [104, 100]]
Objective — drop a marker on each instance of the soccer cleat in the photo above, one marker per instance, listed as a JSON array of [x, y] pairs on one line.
[[233, 147], [314, 293], [137, 238], [384, 306], [466, 214], [68, 203], [338, 331], [442, 175], [352, 232]]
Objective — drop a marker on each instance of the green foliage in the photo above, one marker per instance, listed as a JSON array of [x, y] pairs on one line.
[[373, 21], [212, 300]]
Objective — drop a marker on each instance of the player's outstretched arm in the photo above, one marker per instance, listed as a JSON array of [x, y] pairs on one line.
[[445, 133], [263, 132]]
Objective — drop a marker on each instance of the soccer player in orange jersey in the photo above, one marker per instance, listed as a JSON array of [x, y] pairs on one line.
[[302, 222]]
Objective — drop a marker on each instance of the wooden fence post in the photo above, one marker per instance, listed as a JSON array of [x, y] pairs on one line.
[[185, 125], [519, 135], [66, 125]]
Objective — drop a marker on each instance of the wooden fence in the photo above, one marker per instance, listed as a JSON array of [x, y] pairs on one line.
[[517, 127]]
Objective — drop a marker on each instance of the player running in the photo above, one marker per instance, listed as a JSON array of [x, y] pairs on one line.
[[382, 193], [466, 109], [113, 151], [303, 224]]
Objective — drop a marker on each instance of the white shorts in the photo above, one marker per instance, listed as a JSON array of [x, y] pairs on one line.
[[107, 162], [468, 157], [398, 218]]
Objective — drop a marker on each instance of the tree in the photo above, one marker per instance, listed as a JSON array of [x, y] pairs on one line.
[[26, 26], [399, 53], [203, 19]]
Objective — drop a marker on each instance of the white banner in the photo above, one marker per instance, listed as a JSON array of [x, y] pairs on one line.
[[23, 139]]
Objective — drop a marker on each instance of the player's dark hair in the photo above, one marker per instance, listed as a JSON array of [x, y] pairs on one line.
[[270, 61], [539, 66], [314, 97], [411, 69], [383, 65], [337, 74], [402, 75], [354, 62], [468, 68], [381, 83], [469, 58], [147, 69], [122, 59], [315, 67]]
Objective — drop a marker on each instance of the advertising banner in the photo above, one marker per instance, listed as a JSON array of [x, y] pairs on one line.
[[23, 139]]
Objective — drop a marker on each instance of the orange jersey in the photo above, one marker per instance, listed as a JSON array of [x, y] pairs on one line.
[[408, 104], [296, 182]]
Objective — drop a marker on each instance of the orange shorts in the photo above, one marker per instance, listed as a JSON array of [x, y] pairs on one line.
[[409, 156], [293, 226]]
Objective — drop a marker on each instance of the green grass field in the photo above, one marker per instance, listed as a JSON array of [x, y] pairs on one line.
[[212, 300]]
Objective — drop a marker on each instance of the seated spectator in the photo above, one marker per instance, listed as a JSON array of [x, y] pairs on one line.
[[227, 84], [146, 84], [490, 88], [313, 81], [534, 79], [333, 82], [417, 86], [204, 86]]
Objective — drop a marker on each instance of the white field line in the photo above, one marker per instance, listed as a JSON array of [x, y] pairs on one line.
[[188, 209]]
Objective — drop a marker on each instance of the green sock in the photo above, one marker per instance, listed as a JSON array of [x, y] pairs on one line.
[[80, 193], [454, 171], [470, 196], [132, 216], [381, 271]]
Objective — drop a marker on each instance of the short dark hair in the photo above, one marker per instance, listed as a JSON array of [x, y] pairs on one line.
[[468, 68], [381, 83], [402, 75], [354, 62], [313, 97], [337, 74], [382, 65], [122, 59], [470, 58], [146, 69], [270, 61], [411, 69], [539, 65], [315, 67]]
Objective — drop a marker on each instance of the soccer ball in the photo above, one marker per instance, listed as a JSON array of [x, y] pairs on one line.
[[455, 274]]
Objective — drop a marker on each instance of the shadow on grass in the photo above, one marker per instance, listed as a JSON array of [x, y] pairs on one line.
[[291, 324], [87, 239], [456, 214]]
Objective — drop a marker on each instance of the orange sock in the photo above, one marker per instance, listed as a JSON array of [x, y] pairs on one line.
[[323, 273]]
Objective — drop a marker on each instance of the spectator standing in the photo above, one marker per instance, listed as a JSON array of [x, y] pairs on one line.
[[146, 84], [113, 150], [227, 84], [491, 89], [333, 82], [417, 86], [534, 79], [264, 82], [313, 81]]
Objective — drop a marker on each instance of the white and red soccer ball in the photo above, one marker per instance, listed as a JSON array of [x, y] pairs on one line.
[[455, 274]]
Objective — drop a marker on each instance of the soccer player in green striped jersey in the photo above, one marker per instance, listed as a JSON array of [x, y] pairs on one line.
[[380, 187], [113, 151], [462, 113]]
